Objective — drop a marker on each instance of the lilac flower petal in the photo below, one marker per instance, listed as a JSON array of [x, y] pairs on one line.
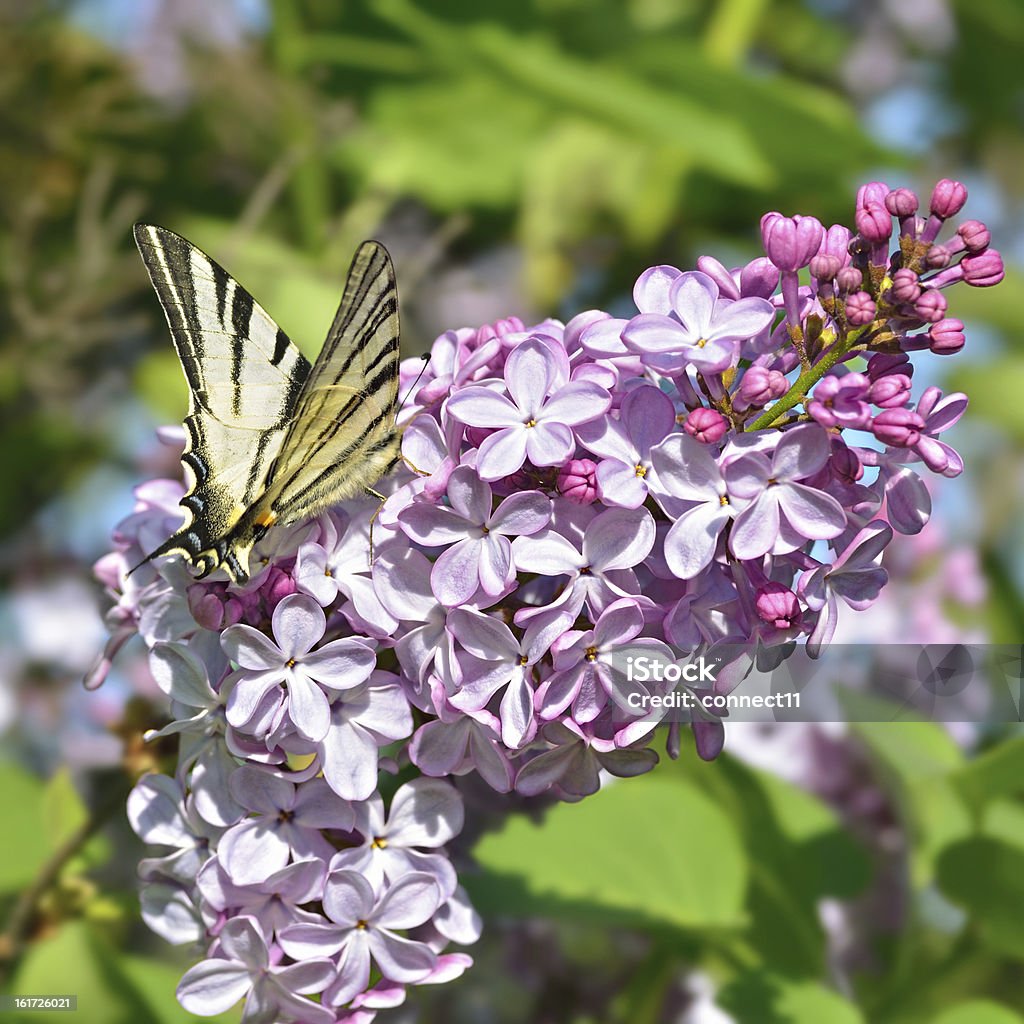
[[298, 623], [529, 375], [756, 528], [483, 636], [425, 812], [907, 501], [433, 525], [262, 792], [801, 453], [308, 708], [603, 338], [548, 444], [503, 453], [654, 333], [686, 468], [408, 902], [651, 293], [549, 553], [744, 318], [399, 959], [693, 296], [251, 649], [495, 567], [213, 986], [251, 851], [438, 749], [527, 512], [456, 574], [482, 407], [304, 941], [340, 664], [619, 539], [348, 898], [576, 403], [470, 497], [353, 970], [618, 484], [813, 513]]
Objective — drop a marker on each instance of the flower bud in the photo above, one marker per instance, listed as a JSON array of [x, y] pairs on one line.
[[825, 267], [577, 481], [881, 364], [837, 243], [938, 256], [948, 198], [906, 286], [706, 425], [890, 391], [902, 202], [873, 192], [760, 386], [860, 309], [778, 606], [931, 306], [983, 270], [849, 279], [946, 337], [975, 236], [900, 428], [874, 223], [844, 463], [790, 242], [759, 279]]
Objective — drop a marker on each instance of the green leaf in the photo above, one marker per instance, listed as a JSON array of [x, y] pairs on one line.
[[978, 1011], [650, 851], [64, 813], [155, 981], [986, 877], [759, 997], [910, 751], [997, 772], [23, 841]]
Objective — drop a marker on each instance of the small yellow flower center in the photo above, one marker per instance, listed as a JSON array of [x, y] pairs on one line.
[[523, 660], [531, 423], [361, 925], [701, 342], [723, 500], [379, 843], [641, 470], [290, 663], [591, 654]]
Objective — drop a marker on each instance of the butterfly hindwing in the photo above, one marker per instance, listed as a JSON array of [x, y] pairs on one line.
[[269, 438]]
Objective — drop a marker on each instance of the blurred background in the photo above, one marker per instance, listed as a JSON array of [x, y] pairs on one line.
[[521, 158]]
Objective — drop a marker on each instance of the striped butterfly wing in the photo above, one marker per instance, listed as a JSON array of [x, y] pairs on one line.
[[245, 378], [343, 436]]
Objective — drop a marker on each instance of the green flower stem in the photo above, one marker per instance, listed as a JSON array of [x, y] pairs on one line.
[[803, 384]]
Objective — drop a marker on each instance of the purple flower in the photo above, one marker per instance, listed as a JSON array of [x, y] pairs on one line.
[[624, 445], [781, 512], [298, 624], [702, 330], [533, 422], [479, 553], [839, 400], [361, 928], [244, 970], [589, 665], [425, 815], [287, 824], [689, 474], [855, 576]]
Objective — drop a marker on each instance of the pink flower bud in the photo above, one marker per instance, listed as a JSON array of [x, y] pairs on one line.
[[946, 337], [759, 279], [983, 270], [790, 242], [931, 306], [906, 286], [975, 236], [938, 256], [577, 481], [948, 198], [849, 279], [872, 192], [825, 267], [902, 202], [881, 364], [890, 391], [900, 428], [706, 425], [778, 606], [874, 222], [761, 386], [860, 309]]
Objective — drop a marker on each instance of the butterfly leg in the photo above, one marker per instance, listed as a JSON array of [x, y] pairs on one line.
[[413, 466]]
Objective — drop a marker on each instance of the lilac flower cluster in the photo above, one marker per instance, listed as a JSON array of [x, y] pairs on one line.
[[723, 469]]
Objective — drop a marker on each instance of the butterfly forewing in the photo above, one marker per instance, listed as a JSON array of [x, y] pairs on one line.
[[343, 435]]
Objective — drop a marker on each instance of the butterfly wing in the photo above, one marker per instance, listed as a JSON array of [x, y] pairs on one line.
[[244, 378], [343, 435]]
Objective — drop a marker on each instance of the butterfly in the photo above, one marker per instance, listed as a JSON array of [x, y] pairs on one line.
[[271, 439]]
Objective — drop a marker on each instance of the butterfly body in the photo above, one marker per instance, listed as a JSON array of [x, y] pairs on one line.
[[271, 439]]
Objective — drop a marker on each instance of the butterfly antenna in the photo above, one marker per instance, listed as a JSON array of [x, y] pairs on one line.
[[426, 359]]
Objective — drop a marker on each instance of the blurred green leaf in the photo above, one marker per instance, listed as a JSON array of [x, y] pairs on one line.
[[997, 772], [995, 390], [23, 841], [758, 997], [155, 981], [978, 1011], [986, 877], [64, 813], [652, 850], [910, 751]]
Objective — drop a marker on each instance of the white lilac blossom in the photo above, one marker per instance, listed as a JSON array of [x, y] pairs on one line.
[[723, 469]]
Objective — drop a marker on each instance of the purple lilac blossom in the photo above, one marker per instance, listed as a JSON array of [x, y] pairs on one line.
[[726, 466]]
